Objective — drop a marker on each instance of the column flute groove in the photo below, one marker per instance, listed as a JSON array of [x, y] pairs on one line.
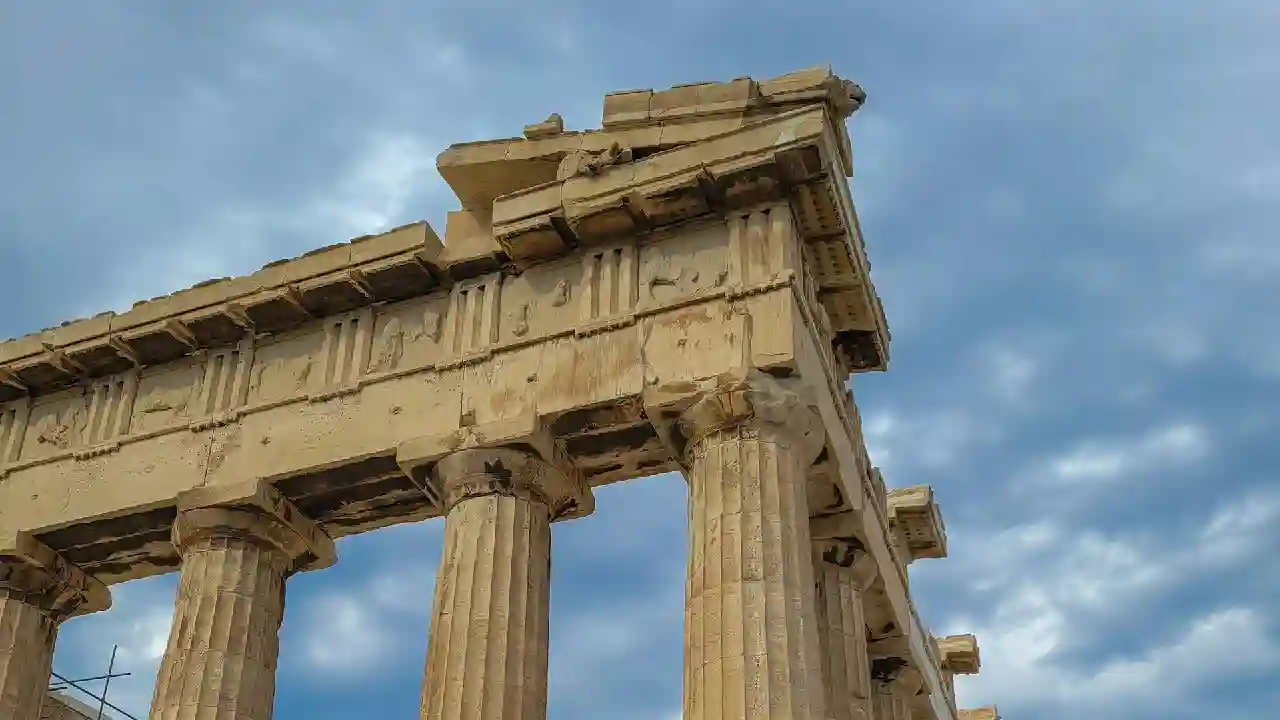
[[487, 652], [843, 572], [238, 547], [751, 645]]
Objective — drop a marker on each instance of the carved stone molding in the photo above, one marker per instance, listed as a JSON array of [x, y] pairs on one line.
[[32, 573]]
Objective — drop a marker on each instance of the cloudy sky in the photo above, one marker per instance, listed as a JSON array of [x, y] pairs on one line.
[[1072, 212]]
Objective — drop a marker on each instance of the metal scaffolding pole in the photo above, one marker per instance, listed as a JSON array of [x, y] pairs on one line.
[[64, 683]]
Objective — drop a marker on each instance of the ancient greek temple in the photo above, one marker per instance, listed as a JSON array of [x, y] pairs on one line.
[[684, 290]]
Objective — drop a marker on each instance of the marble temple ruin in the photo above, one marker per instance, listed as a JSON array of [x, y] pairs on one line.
[[684, 290]]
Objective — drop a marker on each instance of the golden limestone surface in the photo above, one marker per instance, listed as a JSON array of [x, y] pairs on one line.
[[38, 591], [751, 634], [685, 289]]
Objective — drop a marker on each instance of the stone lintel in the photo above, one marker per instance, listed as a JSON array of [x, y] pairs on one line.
[[844, 524], [45, 579], [744, 395], [985, 713], [255, 508], [959, 654], [436, 462], [914, 515], [894, 646]]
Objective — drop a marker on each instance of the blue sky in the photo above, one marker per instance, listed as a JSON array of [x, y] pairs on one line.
[[1071, 208]]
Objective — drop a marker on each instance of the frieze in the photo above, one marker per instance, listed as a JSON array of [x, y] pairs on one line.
[[408, 335], [474, 317], [13, 430], [666, 282], [344, 355]]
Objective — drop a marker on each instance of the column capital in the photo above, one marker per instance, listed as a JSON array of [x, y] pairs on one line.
[[517, 457], [891, 662], [746, 399], [849, 553], [254, 510], [984, 713], [506, 471], [35, 574]]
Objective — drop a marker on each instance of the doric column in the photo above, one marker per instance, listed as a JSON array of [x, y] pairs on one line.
[[844, 570], [38, 590], [751, 640], [487, 652], [891, 701], [238, 546], [894, 682]]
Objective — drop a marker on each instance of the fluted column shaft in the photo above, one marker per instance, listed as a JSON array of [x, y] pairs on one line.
[[842, 574], [750, 614], [220, 661], [27, 635], [487, 653], [891, 702], [38, 591], [487, 656]]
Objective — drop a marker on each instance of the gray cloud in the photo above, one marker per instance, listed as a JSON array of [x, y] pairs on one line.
[[1069, 206]]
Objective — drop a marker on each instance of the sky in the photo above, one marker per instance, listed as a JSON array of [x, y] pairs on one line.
[[1071, 210]]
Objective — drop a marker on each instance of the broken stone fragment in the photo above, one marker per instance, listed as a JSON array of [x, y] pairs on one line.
[[552, 126]]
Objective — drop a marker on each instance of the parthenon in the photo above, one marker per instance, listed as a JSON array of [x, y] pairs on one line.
[[685, 289]]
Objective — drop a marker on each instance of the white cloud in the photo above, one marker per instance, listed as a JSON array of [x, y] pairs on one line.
[[1050, 583], [1013, 371], [380, 187], [602, 637], [906, 445], [1017, 672], [350, 631], [1096, 460], [346, 635]]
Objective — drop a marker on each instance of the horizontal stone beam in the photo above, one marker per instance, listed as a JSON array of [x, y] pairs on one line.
[[321, 412]]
